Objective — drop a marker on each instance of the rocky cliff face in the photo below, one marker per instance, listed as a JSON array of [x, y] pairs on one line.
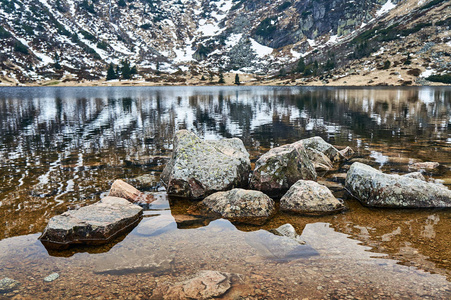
[[45, 39]]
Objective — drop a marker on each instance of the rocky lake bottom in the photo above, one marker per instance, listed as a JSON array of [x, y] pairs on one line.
[[61, 148]]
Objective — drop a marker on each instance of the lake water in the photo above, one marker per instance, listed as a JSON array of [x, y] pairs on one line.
[[61, 148]]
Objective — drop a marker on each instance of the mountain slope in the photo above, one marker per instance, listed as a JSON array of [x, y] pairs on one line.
[[63, 39]]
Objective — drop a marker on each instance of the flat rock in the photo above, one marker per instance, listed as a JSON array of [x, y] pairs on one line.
[[8, 284], [238, 205], [93, 224], [121, 189], [52, 277], [198, 168], [279, 168], [309, 197], [204, 285], [374, 188], [424, 165]]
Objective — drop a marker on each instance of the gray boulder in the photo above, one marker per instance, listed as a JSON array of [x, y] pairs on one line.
[[309, 197], [199, 168], [279, 168], [317, 143], [93, 224], [238, 205], [374, 188]]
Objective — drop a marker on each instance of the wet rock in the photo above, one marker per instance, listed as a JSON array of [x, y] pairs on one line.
[[288, 231], [204, 285], [147, 160], [374, 188], [238, 205], [415, 175], [347, 153], [124, 190], [309, 197], [278, 169], [93, 224], [317, 143], [52, 277], [199, 168], [424, 165], [320, 161], [8, 284]]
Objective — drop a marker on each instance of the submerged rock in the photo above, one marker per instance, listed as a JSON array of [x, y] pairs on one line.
[[93, 224], [199, 168], [52, 277], [288, 230], [309, 197], [424, 165], [279, 168], [124, 190], [203, 285], [8, 284], [374, 188], [243, 206]]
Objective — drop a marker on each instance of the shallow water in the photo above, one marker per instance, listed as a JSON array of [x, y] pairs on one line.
[[61, 148]]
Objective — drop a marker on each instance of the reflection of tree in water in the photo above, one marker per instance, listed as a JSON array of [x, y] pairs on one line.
[[72, 143]]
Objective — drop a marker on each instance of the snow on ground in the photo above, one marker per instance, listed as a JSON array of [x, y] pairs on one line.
[[312, 43], [295, 54], [427, 73], [233, 39], [333, 39], [208, 29], [260, 49], [385, 8]]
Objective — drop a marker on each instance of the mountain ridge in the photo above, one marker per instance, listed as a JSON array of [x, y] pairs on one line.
[[63, 39]]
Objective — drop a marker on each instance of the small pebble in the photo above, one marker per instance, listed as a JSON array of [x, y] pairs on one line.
[[51, 277]]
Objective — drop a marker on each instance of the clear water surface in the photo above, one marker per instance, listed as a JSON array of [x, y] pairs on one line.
[[61, 148]]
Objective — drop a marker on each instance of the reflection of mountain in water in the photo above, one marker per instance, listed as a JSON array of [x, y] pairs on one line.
[[62, 147]]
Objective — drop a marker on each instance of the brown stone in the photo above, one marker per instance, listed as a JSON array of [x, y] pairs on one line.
[[124, 190]]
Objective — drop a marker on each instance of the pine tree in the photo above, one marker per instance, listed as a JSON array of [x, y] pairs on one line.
[[111, 74], [221, 78], [126, 71], [237, 79], [57, 64], [203, 78], [134, 70], [300, 68]]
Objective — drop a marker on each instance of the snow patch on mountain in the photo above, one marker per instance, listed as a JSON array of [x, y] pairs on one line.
[[260, 49], [385, 8]]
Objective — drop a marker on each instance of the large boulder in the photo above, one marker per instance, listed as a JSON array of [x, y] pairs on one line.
[[374, 188], [199, 168], [121, 189], [309, 197], [279, 168], [237, 205], [93, 224]]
